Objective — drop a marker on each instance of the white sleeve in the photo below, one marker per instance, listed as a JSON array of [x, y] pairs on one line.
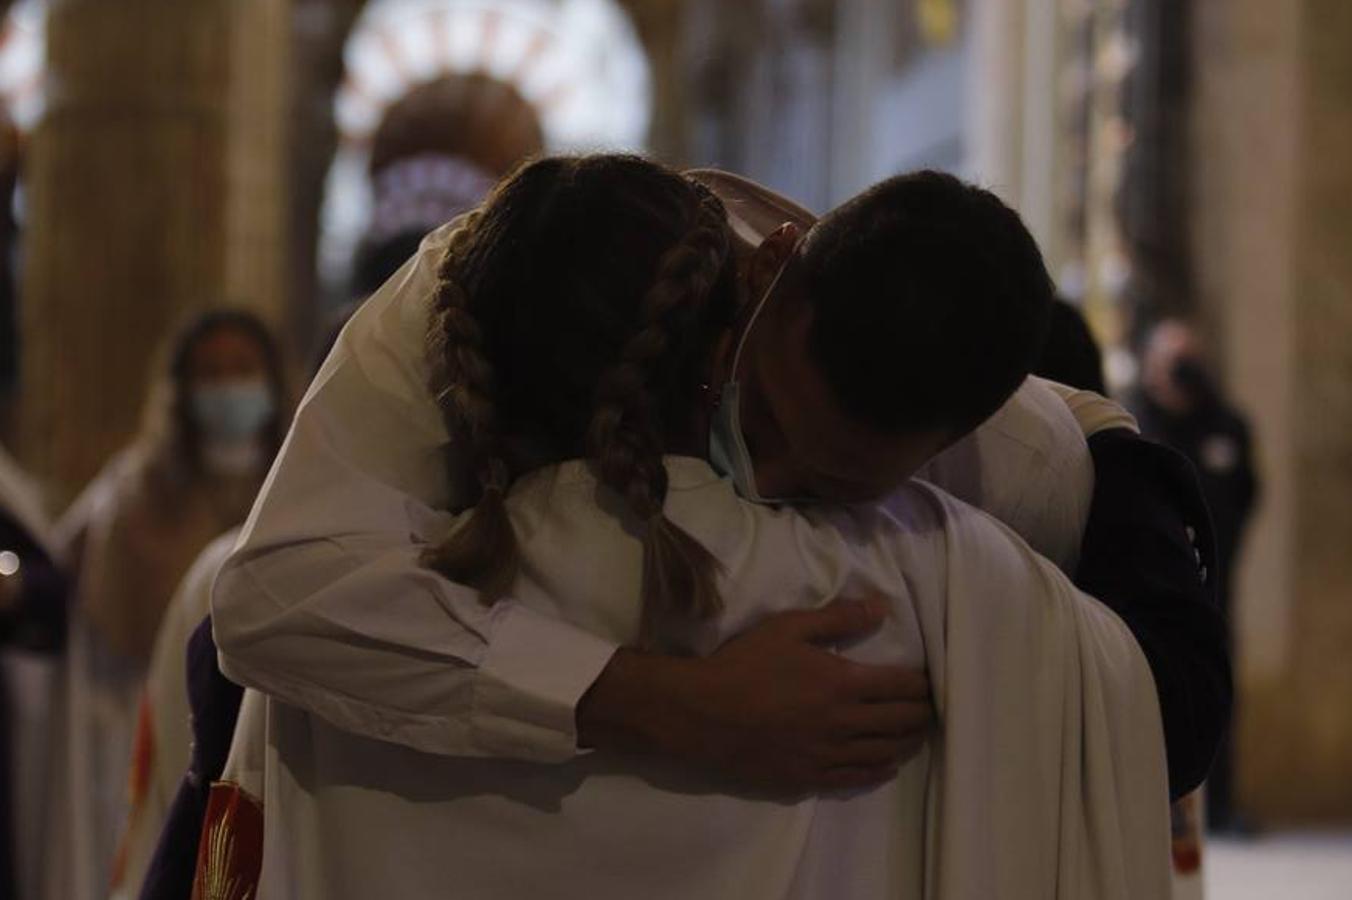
[[324, 603], [1094, 412], [1028, 465]]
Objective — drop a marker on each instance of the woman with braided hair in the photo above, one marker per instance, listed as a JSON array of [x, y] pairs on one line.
[[599, 370], [573, 331]]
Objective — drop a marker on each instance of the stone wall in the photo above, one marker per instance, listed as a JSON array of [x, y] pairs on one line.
[[152, 190], [1272, 136]]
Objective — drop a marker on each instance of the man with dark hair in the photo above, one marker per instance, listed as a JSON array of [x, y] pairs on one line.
[[842, 399], [913, 276], [883, 333]]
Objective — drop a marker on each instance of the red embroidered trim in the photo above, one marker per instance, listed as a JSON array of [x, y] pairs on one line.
[[230, 856]]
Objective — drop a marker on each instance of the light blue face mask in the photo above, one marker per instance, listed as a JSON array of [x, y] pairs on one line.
[[232, 411], [728, 453]]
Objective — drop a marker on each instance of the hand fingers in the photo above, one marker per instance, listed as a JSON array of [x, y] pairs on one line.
[[894, 720], [838, 620], [883, 684]]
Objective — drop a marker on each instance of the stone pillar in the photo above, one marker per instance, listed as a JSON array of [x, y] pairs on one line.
[[319, 31], [151, 192], [1273, 132], [765, 98], [658, 23], [1151, 201], [257, 175], [1014, 120]]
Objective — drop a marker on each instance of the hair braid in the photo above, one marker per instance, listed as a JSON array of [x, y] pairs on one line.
[[625, 437], [482, 551]]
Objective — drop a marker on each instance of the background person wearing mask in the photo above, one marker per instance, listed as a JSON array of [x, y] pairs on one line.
[[189, 711], [1180, 405], [213, 423]]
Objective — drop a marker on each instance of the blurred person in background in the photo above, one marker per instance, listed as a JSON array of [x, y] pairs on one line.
[[32, 630], [213, 422], [1181, 405], [438, 151], [188, 713], [413, 195], [1155, 484]]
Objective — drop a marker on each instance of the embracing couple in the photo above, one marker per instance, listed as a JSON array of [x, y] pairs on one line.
[[594, 566]]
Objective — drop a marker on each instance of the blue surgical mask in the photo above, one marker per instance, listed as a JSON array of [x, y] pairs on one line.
[[728, 453], [232, 411]]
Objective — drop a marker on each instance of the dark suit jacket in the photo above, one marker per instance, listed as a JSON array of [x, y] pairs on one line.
[[1139, 558]]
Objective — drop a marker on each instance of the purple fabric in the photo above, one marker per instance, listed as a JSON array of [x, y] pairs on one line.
[[214, 702]]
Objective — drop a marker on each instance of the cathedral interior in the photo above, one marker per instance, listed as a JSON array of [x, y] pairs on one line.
[[1176, 159]]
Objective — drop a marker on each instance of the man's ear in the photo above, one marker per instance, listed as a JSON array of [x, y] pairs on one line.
[[770, 257]]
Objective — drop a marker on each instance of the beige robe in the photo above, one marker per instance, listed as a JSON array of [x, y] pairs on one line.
[[129, 538], [164, 744], [1046, 779]]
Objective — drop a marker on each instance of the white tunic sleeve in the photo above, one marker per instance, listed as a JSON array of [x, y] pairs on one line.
[[1029, 466], [324, 603]]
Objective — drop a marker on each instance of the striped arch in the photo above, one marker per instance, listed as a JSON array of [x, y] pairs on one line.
[[577, 62], [23, 62]]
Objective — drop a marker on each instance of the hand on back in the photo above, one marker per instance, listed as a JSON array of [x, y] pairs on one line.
[[773, 708]]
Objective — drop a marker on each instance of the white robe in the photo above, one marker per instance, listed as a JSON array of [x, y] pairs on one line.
[[168, 716], [1047, 778], [325, 607]]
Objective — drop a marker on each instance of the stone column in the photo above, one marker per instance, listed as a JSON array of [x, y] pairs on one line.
[[319, 29], [257, 175], [1273, 132], [1014, 119], [151, 193], [658, 23]]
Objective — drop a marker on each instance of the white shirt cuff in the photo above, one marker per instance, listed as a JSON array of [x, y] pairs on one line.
[[525, 698]]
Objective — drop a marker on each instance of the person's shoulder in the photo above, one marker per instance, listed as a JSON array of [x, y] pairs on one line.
[[1039, 416], [916, 506], [204, 567], [1121, 452], [902, 530], [400, 306], [125, 475], [930, 506], [973, 538], [1033, 441], [436, 240]]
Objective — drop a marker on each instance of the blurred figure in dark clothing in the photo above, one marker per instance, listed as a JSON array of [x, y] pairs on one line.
[[1179, 404], [1150, 539], [1071, 356], [32, 631]]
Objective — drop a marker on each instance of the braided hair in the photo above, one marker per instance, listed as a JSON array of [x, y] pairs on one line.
[[483, 552], [625, 436], [575, 315]]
